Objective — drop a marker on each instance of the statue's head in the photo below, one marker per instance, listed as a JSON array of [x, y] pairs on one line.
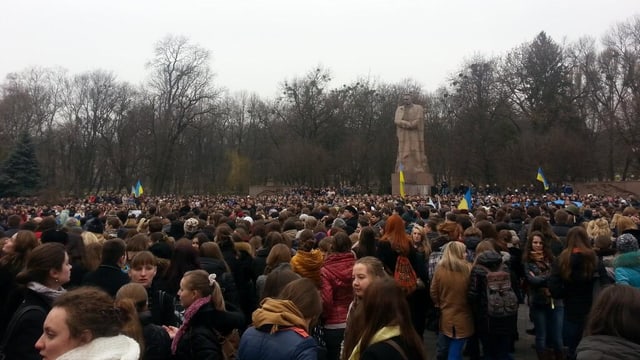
[[407, 99]]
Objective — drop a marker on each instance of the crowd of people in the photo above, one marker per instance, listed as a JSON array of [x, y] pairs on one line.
[[318, 274]]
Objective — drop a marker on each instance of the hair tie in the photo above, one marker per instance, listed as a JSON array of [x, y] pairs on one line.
[[212, 279]]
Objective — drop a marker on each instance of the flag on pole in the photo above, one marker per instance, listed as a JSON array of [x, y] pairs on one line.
[[139, 189], [540, 177], [465, 203], [133, 190], [401, 169]]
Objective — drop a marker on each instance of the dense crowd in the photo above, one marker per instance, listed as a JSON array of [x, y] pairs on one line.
[[318, 273]]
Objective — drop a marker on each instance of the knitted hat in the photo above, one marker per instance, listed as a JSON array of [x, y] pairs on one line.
[[626, 243], [351, 209], [191, 225]]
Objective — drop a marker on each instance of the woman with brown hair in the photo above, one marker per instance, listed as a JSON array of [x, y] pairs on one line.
[[279, 258], [281, 326], [85, 324], [14, 256], [572, 280], [382, 327], [46, 270], [395, 242], [612, 330], [143, 270], [546, 312]]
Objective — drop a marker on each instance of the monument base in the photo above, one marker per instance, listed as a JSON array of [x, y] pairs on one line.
[[414, 183]]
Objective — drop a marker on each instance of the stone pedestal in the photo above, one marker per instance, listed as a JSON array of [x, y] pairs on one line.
[[415, 183]]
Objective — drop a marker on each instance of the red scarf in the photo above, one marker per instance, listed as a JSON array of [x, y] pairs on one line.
[[191, 310]]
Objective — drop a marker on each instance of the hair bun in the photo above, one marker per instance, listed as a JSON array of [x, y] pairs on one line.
[[212, 279]]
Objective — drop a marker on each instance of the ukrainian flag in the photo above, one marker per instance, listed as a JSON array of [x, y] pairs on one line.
[[465, 203], [401, 170], [540, 177], [139, 190]]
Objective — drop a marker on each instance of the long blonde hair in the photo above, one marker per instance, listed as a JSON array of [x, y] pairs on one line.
[[453, 258]]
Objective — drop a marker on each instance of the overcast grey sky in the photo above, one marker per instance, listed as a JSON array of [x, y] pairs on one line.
[[256, 44]]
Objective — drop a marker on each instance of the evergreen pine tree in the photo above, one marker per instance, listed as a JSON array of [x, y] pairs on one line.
[[19, 173]]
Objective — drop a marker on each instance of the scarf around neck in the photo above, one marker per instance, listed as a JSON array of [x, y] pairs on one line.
[[49, 293], [188, 315], [278, 313], [381, 335]]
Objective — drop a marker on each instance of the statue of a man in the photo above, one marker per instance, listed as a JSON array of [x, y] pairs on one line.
[[409, 122]]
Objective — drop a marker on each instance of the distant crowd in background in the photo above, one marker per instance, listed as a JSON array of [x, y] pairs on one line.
[[319, 273]]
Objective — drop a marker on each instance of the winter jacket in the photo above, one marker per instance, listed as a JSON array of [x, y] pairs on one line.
[[604, 347], [308, 264], [109, 278], [28, 329], [336, 290], [627, 269], [241, 264], [161, 306], [449, 294], [278, 334], [477, 296], [201, 340], [537, 277], [157, 343], [212, 266]]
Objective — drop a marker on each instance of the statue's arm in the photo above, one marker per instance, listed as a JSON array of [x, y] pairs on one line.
[[398, 119]]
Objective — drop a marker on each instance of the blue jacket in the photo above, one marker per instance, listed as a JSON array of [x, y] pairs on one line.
[[627, 269], [286, 344]]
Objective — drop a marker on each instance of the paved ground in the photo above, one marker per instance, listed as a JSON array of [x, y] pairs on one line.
[[523, 346]]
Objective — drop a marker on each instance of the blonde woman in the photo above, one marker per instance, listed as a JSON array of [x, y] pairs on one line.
[[449, 294]]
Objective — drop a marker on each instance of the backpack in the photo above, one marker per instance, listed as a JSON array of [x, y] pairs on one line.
[[501, 299], [404, 275]]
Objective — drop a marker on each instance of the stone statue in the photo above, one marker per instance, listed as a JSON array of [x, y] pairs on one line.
[[409, 122]]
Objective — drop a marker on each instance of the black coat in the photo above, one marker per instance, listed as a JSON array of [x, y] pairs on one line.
[[161, 306], [109, 278], [21, 344], [201, 341], [157, 343]]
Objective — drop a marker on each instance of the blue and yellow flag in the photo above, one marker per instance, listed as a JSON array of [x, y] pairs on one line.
[[138, 190], [540, 177], [465, 203], [401, 170]]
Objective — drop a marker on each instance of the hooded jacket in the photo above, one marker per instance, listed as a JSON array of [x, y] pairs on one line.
[[627, 269], [279, 333], [336, 290]]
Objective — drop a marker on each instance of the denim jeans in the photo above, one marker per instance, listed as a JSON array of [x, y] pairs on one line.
[[548, 323], [449, 348]]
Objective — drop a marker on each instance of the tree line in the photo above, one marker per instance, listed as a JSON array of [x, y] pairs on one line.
[[572, 108]]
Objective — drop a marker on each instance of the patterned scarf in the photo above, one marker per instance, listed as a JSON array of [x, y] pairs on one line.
[[191, 310]]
